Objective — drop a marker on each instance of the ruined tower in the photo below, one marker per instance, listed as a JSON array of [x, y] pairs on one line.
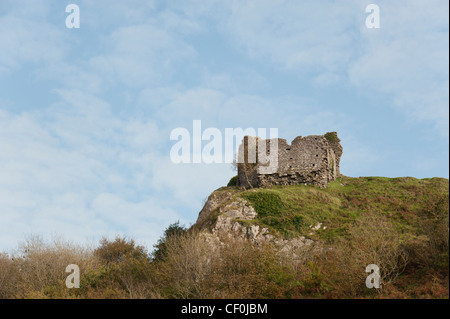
[[311, 160]]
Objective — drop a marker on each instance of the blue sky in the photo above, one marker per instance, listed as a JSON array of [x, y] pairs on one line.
[[86, 114]]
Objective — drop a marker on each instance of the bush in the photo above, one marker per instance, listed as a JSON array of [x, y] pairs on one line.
[[372, 240], [246, 271], [125, 271], [160, 250], [38, 268], [8, 277], [331, 136], [119, 250], [186, 264], [233, 181]]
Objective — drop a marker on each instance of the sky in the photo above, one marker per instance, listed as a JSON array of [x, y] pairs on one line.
[[86, 113]]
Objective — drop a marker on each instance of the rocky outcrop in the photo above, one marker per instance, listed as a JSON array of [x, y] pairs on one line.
[[226, 215]]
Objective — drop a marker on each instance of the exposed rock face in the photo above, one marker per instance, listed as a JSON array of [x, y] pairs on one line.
[[309, 160], [228, 216]]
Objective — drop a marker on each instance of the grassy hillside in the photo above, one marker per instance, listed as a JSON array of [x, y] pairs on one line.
[[408, 203], [399, 224]]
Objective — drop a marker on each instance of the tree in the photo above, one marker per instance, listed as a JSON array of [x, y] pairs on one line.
[[174, 229]]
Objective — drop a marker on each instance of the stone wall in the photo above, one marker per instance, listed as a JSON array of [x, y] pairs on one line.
[[311, 160]]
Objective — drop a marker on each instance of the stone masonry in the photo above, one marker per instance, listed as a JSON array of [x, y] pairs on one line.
[[311, 160]]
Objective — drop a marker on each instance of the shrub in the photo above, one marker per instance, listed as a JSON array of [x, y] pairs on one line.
[[331, 136], [119, 250], [125, 271], [186, 263], [41, 266], [160, 250], [233, 181], [245, 270], [372, 240], [8, 277]]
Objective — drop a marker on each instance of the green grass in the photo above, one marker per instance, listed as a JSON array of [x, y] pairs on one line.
[[266, 203], [331, 137], [291, 210]]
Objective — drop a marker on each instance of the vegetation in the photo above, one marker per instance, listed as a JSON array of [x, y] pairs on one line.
[[265, 203], [173, 230], [332, 137], [399, 224], [408, 203], [233, 181]]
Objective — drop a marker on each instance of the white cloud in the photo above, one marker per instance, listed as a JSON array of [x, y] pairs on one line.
[[78, 169], [196, 103], [413, 70], [307, 36], [104, 15], [235, 80], [132, 45], [25, 41], [361, 159], [190, 183], [406, 59], [140, 54]]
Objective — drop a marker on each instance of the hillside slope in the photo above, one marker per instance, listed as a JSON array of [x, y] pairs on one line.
[[290, 211], [277, 242], [400, 224]]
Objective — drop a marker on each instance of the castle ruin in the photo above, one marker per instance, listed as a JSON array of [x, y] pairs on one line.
[[310, 160]]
